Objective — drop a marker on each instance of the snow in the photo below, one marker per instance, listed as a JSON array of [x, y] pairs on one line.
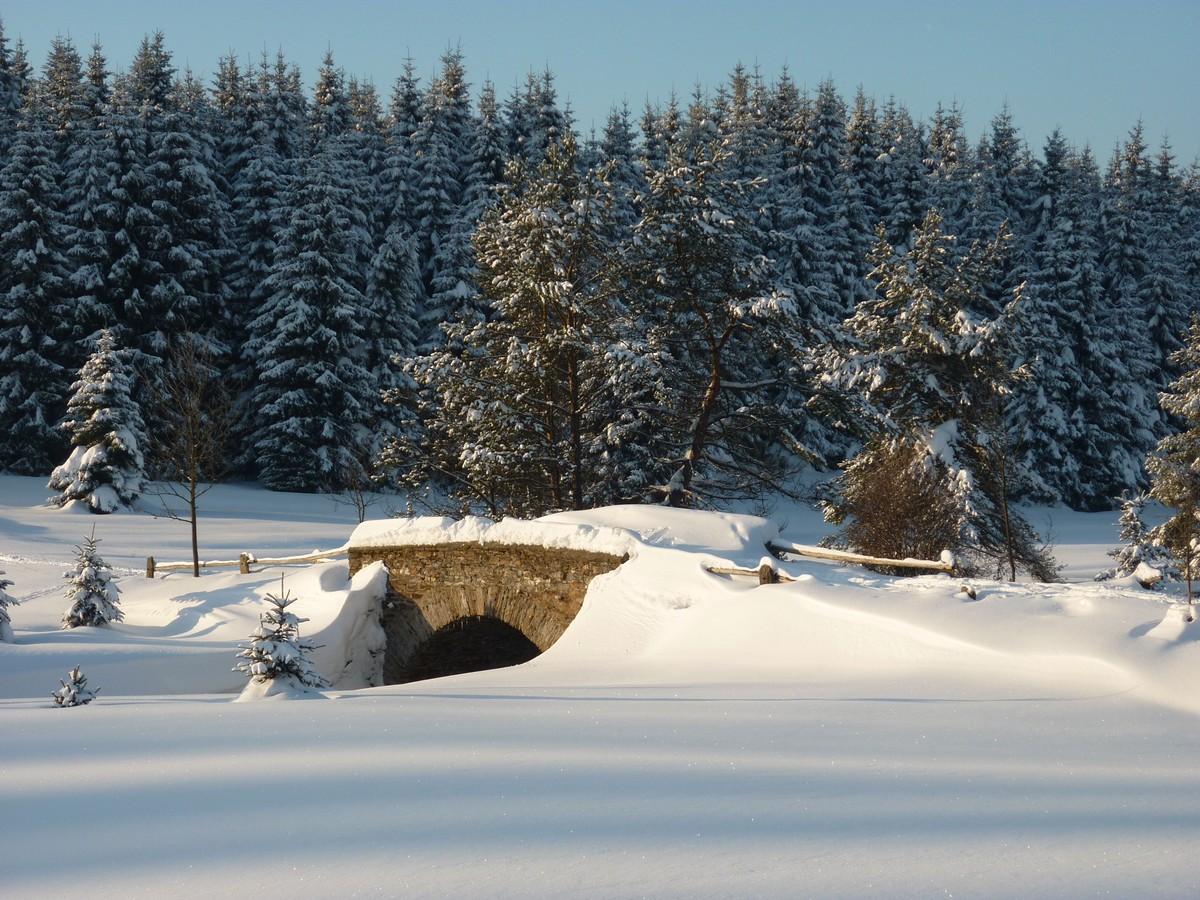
[[690, 735]]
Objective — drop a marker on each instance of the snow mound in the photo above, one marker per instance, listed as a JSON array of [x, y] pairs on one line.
[[478, 530], [612, 529]]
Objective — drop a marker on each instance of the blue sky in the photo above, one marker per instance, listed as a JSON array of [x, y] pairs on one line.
[[1094, 67]]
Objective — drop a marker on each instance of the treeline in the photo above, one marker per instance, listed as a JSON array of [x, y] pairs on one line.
[[455, 290]]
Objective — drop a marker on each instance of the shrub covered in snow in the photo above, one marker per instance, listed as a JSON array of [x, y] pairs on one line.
[[6, 601], [75, 692], [276, 652], [93, 594]]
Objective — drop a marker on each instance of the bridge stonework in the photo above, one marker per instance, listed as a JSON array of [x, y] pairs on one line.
[[536, 590]]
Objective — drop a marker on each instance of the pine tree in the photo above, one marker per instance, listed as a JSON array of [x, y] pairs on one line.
[[276, 652], [1140, 359], [65, 94], [440, 190], [6, 600], [313, 392], [718, 336], [1141, 556], [106, 466], [35, 353], [398, 186], [928, 374], [94, 595], [330, 116], [905, 189], [518, 405], [94, 204], [75, 692], [1173, 470], [394, 292], [1053, 411], [284, 107]]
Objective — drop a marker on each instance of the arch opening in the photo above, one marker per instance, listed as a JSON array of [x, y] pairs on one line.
[[468, 644]]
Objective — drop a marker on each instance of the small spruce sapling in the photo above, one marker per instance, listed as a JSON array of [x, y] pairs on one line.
[[1142, 556], [93, 594], [277, 652], [6, 633], [75, 692]]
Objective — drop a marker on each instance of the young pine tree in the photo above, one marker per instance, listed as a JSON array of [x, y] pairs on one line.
[[106, 469], [93, 594], [276, 652], [1173, 467], [6, 633], [1141, 554], [75, 692]]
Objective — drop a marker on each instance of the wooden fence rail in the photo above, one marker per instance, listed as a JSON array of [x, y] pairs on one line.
[[946, 564], [768, 574], [243, 562]]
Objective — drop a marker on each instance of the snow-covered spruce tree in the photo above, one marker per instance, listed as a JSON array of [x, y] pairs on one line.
[[93, 594], [1060, 412], [276, 652], [440, 193], [1141, 355], [313, 391], [1174, 466], [106, 469], [6, 633], [75, 692], [928, 376], [36, 356], [1141, 554]]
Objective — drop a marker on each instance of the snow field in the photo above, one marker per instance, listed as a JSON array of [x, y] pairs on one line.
[[691, 735]]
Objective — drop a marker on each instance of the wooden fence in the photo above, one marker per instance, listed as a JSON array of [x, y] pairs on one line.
[[768, 574], [243, 562]]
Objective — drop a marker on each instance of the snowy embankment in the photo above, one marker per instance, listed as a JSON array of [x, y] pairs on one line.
[[690, 735]]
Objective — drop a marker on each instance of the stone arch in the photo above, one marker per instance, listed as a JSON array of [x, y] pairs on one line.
[[469, 644], [535, 590]]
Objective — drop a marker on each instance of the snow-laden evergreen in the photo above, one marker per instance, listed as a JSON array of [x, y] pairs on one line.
[[164, 215], [94, 595], [76, 691], [1174, 479], [106, 467], [927, 373], [1141, 555], [719, 332], [36, 355], [313, 391], [526, 417], [276, 652]]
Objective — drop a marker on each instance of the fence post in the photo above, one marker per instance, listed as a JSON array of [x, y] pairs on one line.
[[244, 563], [767, 574], [149, 566]]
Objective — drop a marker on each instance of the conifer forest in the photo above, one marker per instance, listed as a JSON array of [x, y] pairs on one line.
[[455, 292]]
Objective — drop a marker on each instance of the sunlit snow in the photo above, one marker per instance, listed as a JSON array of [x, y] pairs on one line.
[[691, 735]]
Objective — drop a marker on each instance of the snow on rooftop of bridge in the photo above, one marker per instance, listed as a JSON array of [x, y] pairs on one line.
[[612, 529]]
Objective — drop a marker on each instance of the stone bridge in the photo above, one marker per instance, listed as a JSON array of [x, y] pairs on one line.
[[464, 606]]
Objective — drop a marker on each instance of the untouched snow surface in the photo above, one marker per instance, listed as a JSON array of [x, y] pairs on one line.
[[691, 734]]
